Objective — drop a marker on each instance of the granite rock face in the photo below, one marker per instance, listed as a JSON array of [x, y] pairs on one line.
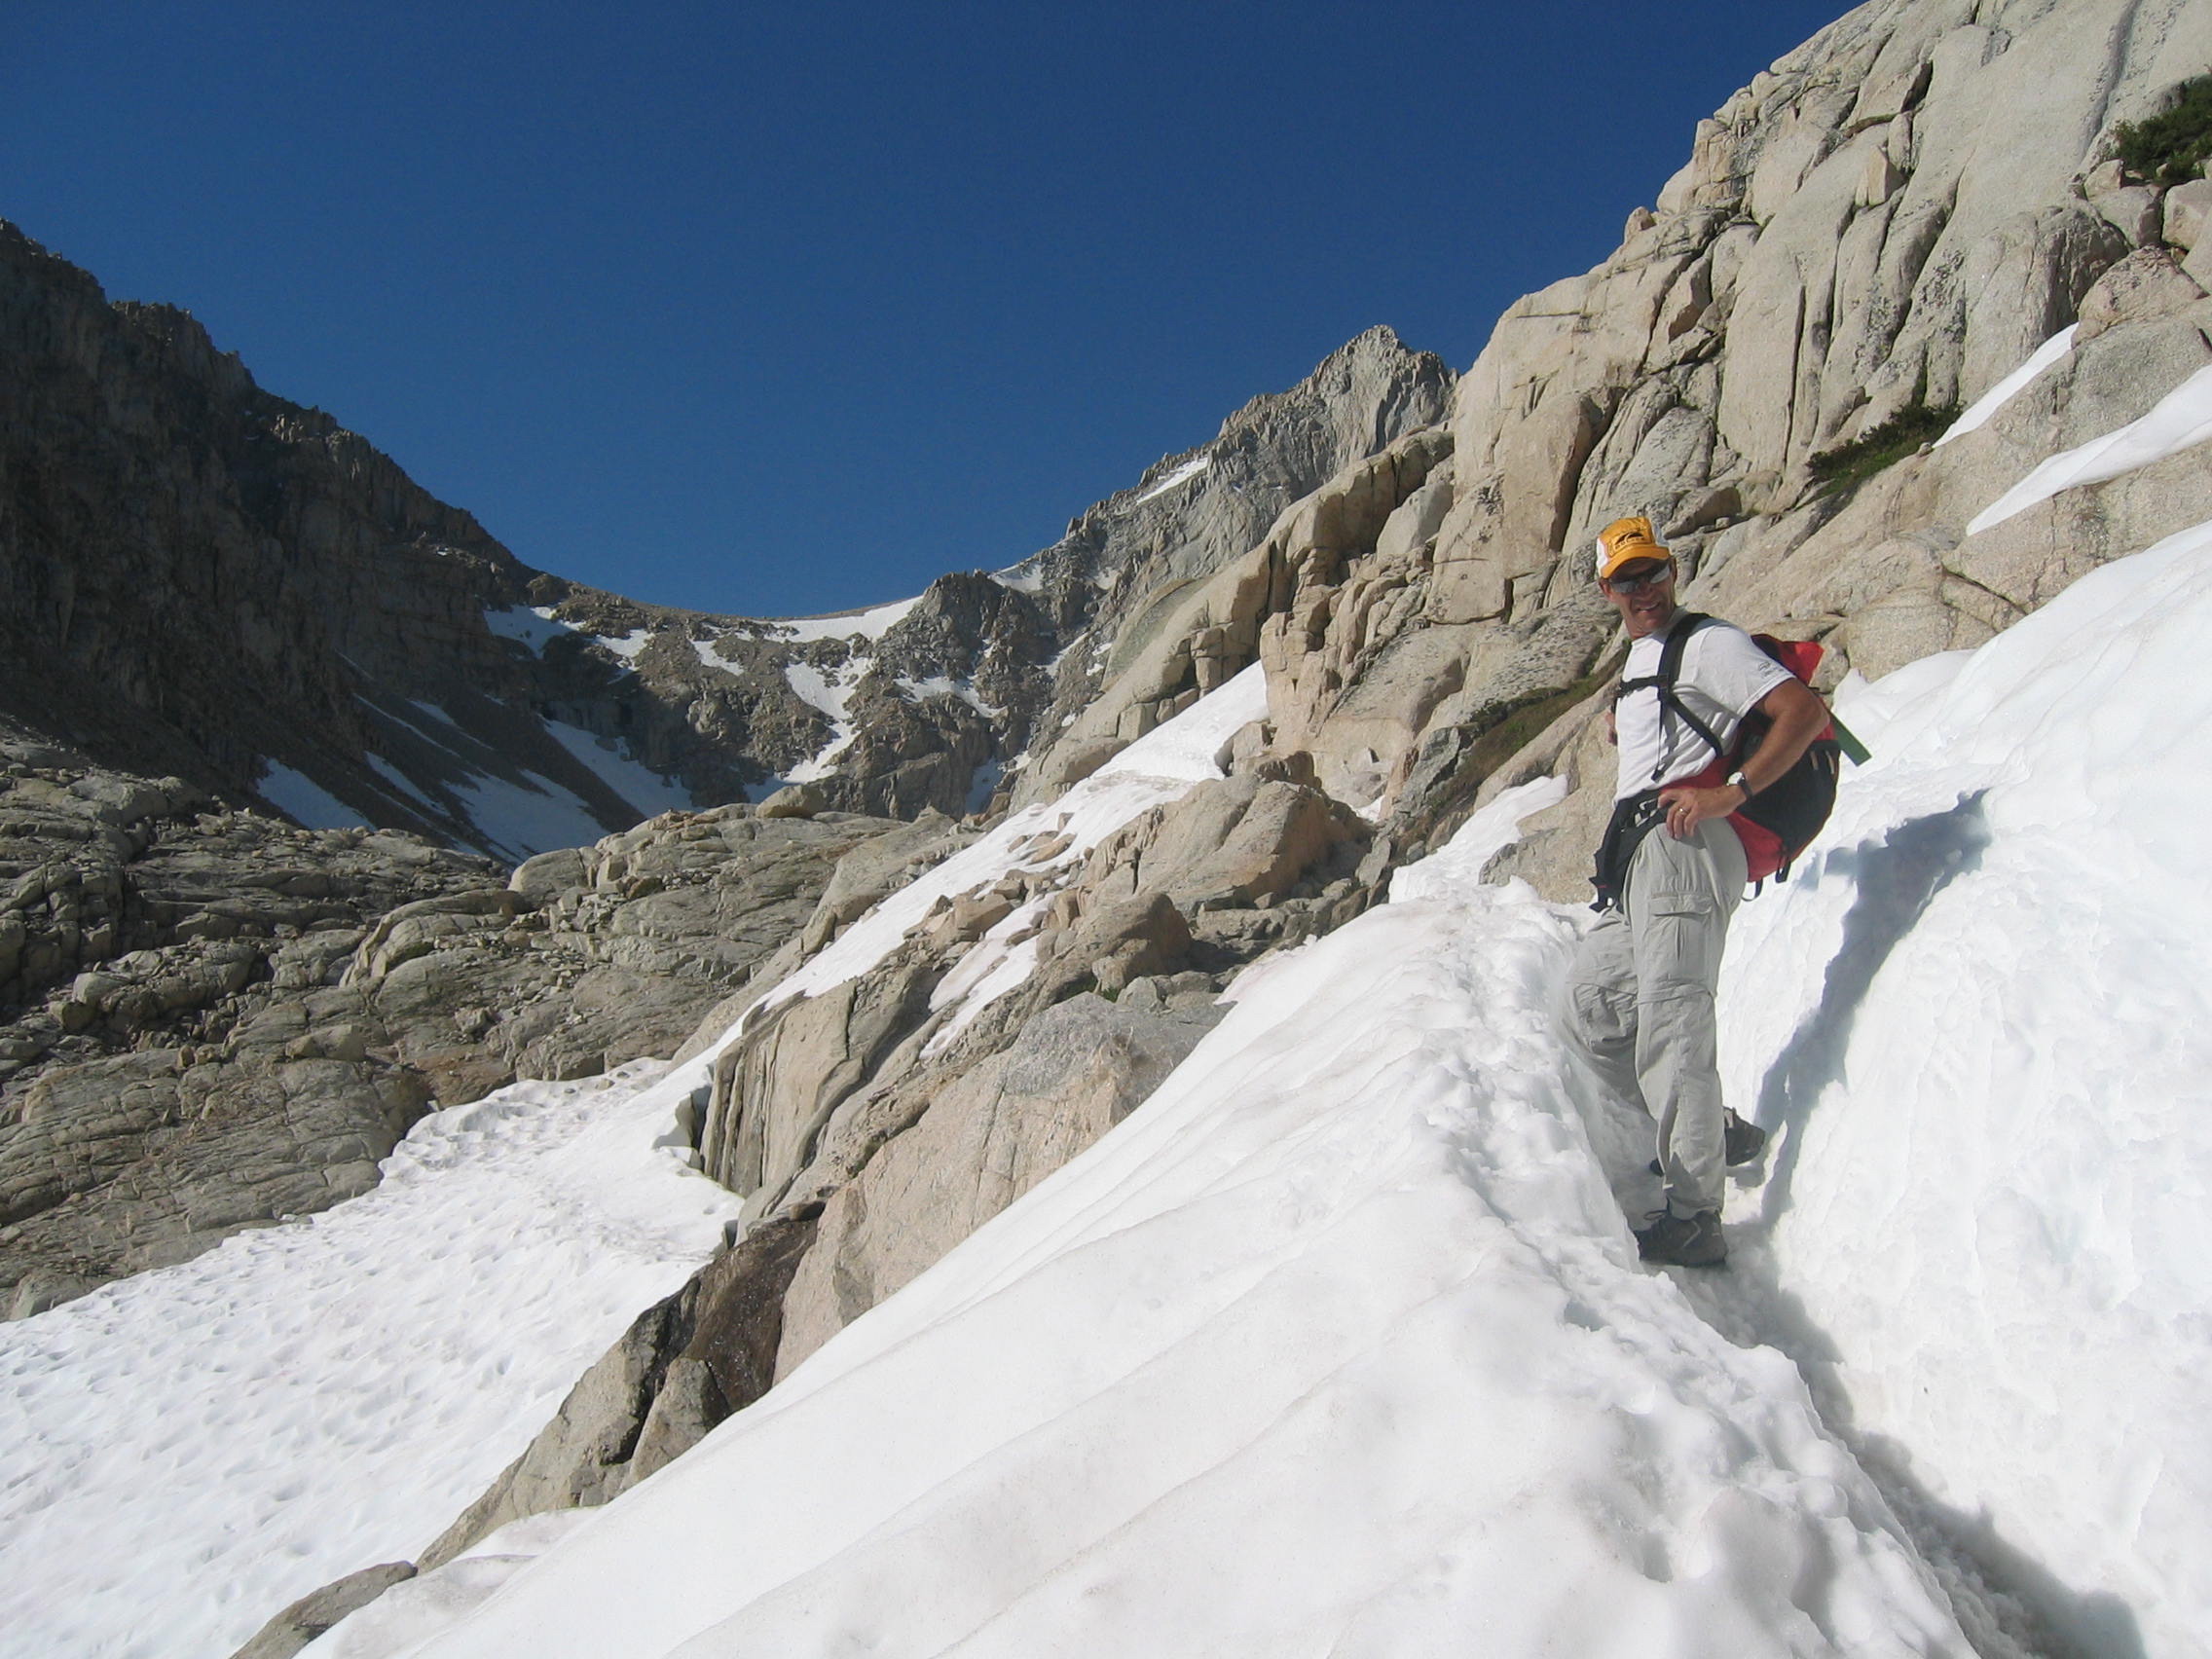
[[956, 1147], [299, 1624], [683, 1365], [1807, 309], [870, 1134], [1074, 1071], [1889, 221]]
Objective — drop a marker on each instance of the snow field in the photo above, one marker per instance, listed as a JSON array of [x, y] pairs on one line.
[[1337, 1346], [830, 695], [293, 792], [1981, 1019], [871, 624], [185, 1451], [645, 788], [1175, 479]]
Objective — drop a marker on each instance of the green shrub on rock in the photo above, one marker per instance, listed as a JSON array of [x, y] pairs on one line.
[[1900, 436], [2171, 146]]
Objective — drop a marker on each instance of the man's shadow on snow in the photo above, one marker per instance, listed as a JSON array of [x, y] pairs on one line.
[[1993, 1583], [1897, 878]]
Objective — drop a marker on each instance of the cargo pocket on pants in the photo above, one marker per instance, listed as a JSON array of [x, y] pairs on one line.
[[1605, 1014], [1679, 941]]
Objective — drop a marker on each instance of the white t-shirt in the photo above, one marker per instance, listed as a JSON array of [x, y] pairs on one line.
[[1724, 675]]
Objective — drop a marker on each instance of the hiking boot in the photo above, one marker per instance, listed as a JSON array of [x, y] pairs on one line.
[[1740, 1143], [1674, 1242]]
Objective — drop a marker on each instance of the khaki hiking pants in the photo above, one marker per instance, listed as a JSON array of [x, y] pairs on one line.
[[1637, 1002]]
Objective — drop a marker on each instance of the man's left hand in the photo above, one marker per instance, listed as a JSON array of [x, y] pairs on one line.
[[1687, 808]]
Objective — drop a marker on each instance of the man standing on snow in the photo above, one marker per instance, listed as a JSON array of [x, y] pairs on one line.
[[1637, 1000]]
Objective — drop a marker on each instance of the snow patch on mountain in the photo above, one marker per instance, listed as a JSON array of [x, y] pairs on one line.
[[307, 803], [831, 693], [184, 1452], [624, 646], [1159, 767], [511, 813], [2180, 420], [635, 782], [1175, 479], [1978, 412], [535, 627], [945, 685], [530, 814], [704, 651], [869, 624], [399, 781]]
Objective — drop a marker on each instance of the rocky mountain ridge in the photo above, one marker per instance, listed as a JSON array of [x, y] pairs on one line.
[[203, 579], [221, 1021]]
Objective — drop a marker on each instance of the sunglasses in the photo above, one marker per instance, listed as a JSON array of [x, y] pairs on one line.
[[1640, 583]]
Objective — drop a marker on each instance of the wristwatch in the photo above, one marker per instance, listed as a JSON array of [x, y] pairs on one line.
[[1740, 781]]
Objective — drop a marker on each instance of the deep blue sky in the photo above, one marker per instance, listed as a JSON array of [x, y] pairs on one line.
[[780, 311]]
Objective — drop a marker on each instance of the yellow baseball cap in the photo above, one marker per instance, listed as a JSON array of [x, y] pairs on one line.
[[1624, 541]]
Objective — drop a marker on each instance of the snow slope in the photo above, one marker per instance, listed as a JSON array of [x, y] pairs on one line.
[[1337, 1346], [871, 624], [1159, 767], [183, 1453], [2180, 420], [1977, 413], [308, 801], [1982, 1022]]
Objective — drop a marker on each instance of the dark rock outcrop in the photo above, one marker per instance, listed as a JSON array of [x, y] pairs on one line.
[[683, 1365], [311, 1615]]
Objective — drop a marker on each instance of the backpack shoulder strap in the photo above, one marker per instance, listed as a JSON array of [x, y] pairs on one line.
[[1670, 704], [1677, 642], [1671, 651]]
